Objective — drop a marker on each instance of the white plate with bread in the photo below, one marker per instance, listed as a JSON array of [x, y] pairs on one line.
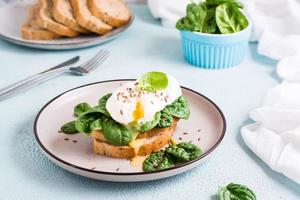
[[64, 24], [89, 156]]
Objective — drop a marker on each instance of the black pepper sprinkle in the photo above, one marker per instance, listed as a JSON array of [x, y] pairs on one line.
[[117, 169], [121, 112], [93, 168], [180, 138], [199, 130], [136, 83], [66, 139], [74, 141], [199, 139], [151, 102], [185, 133]]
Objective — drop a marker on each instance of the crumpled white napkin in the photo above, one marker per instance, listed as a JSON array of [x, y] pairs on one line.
[[275, 137], [169, 11]]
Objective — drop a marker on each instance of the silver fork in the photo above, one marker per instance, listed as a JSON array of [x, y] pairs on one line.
[[30, 82]]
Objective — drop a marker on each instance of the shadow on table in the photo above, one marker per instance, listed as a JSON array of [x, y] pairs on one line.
[[263, 59], [279, 178], [36, 167]]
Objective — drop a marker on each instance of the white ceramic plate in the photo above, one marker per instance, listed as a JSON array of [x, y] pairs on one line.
[[205, 128], [12, 16]]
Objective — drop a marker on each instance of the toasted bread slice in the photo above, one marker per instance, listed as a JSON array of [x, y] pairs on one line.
[[145, 144], [31, 31], [112, 12], [86, 19], [46, 20], [62, 12]]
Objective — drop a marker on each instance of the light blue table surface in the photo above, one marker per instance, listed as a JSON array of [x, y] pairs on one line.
[[25, 173]]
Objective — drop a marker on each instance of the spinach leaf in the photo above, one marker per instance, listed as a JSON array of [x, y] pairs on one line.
[[166, 119], [84, 121], [81, 108], [157, 161], [179, 108], [194, 19], [178, 153], [102, 104], [96, 125], [69, 128], [116, 133], [229, 19], [219, 2], [210, 25], [153, 81], [236, 192], [147, 126], [184, 151], [193, 150]]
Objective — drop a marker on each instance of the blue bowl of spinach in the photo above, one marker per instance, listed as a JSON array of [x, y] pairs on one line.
[[215, 34]]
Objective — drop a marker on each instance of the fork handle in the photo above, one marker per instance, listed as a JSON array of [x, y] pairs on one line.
[[29, 83]]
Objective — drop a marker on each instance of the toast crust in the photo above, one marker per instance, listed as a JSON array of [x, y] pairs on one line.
[[45, 20], [112, 12], [62, 12], [151, 141], [86, 19], [31, 31]]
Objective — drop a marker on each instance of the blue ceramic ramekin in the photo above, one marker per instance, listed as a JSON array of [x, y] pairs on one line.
[[215, 51]]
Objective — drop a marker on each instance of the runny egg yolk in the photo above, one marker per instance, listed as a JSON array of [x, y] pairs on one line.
[[138, 113]]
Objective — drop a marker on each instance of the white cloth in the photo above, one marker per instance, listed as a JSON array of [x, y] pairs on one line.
[[169, 11], [275, 135]]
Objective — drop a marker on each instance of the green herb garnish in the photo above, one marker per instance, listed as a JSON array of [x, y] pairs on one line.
[[235, 191], [214, 16], [157, 161], [153, 81], [173, 154]]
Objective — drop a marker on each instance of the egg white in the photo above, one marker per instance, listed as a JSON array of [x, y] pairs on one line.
[[122, 104]]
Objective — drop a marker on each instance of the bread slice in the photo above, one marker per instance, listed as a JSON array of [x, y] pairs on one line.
[[46, 20], [31, 31], [112, 12], [145, 143], [86, 19], [62, 12]]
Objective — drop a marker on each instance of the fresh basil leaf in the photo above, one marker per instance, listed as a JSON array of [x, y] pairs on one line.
[[235, 191], [147, 126], [229, 19], [116, 133], [157, 161], [81, 108], [179, 108], [153, 81], [102, 103], [96, 125], [166, 119], [69, 128]]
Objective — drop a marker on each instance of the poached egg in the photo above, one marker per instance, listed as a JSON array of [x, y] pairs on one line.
[[131, 104]]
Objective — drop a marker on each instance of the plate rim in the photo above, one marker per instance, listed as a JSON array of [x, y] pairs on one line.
[[43, 148]]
